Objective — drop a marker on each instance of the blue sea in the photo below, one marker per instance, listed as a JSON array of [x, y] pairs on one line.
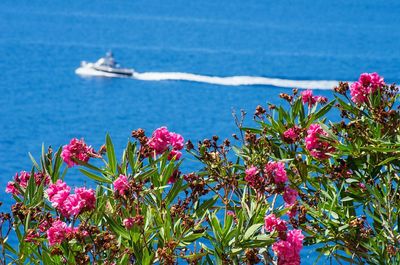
[[171, 44]]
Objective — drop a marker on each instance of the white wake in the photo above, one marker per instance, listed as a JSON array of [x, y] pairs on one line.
[[216, 80], [236, 80]]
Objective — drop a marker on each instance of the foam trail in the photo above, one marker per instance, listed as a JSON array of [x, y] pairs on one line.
[[236, 80]]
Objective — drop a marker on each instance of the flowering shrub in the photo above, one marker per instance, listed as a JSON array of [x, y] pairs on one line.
[[296, 179]]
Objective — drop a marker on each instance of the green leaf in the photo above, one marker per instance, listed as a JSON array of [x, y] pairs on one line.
[[112, 160], [118, 229], [95, 177], [34, 161], [251, 230]]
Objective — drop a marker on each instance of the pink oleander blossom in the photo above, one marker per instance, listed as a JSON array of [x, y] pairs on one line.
[[176, 141], [58, 193], [292, 135], [367, 84], [10, 188], [76, 150], [72, 205], [288, 251], [252, 176], [295, 237], [273, 223], [290, 195], [128, 222], [83, 200], [308, 98], [231, 213], [121, 184], [57, 232], [174, 154], [318, 148], [88, 197], [159, 140], [41, 178], [277, 171], [21, 180], [163, 140]]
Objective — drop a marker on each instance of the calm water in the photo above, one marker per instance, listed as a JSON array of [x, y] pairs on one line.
[[42, 42]]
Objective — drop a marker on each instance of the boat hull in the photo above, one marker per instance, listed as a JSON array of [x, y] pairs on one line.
[[90, 69]]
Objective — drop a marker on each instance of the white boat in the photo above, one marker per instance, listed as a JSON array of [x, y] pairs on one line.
[[105, 66]]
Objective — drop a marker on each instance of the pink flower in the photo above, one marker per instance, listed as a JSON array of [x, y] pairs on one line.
[[22, 178], [57, 232], [367, 84], [230, 213], [290, 195], [252, 176], [288, 251], [295, 237], [251, 171], [291, 135], [174, 154], [88, 197], [10, 188], [72, 205], [176, 140], [58, 193], [272, 223], [83, 200], [159, 140], [128, 222], [121, 184], [174, 176], [308, 98], [76, 150], [277, 171], [162, 140], [41, 178], [318, 148]]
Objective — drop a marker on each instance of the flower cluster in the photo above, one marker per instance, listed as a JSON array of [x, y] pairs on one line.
[[58, 232], [308, 98], [121, 185], [70, 204], [76, 150], [273, 173], [291, 135], [288, 251], [273, 223], [252, 177], [21, 180], [276, 171], [131, 221], [290, 198], [366, 85], [318, 147], [162, 140]]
